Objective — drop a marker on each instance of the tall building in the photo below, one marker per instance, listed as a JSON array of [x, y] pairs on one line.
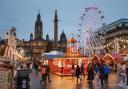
[[38, 28], [116, 37], [56, 30], [37, 45]]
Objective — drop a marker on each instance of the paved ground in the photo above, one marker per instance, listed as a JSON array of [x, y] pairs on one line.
[[70, 83]]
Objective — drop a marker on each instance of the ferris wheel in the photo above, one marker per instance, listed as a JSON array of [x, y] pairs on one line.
[[92, 36]]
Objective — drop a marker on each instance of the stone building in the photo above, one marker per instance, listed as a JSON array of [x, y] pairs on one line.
[[36, 45], [116, 35]]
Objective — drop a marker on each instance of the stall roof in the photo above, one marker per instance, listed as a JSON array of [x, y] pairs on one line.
[[53, 54], [115, 56], [99, 56]]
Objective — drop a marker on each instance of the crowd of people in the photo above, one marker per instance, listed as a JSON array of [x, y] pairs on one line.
[[98, 70], [122, 71], [101, 70]]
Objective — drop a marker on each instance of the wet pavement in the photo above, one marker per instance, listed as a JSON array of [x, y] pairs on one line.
[[70, 83]]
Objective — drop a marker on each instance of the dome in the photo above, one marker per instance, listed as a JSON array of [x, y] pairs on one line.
[[72, 40], [63, 37]]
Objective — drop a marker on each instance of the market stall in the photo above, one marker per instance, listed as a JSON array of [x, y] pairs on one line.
[[113, 59], [63, 66], [6, 76]]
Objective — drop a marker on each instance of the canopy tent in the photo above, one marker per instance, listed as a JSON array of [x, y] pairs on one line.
[[53, 54]]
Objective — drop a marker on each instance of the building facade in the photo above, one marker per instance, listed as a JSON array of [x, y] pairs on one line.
[[116, 35], [36, 45]]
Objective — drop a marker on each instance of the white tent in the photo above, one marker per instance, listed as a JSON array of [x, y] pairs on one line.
[[53, 54]]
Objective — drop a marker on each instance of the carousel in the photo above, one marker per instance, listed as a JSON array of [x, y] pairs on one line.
[[63, 66], [11, 52]]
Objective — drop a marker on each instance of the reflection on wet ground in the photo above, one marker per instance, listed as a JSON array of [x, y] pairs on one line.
[[70, 83]]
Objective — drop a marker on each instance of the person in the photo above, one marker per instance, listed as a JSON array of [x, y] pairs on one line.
[[106, 72], [44, 74], [82, 69], [123, 74], [24, 66], [30, 67], [101, 75], [36, 67], [48, 72], [127, 73], [90, 73], [77, 74], [96, 67], [73, 70], [119, 70]]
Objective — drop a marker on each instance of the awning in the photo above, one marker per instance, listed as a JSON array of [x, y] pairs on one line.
[[53, 54]]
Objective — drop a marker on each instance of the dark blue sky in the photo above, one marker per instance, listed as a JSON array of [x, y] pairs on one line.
[[22, 14]]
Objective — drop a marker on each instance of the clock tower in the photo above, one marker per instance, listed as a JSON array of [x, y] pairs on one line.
[[38, 28]]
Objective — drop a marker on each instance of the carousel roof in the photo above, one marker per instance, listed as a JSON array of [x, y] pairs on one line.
[[73, 52], [72, 40]]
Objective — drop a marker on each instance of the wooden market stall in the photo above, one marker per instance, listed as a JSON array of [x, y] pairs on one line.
[[113, 59]]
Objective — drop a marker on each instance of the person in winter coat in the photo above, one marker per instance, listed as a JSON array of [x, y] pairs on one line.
[[44, 74], [36, 67], [48, 72], [127, 73], [123, 73], [73, 70], [30, 67], [106, 72], [90, 73], [82, 69], [96, 67], [77, 72], [101, 75]]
